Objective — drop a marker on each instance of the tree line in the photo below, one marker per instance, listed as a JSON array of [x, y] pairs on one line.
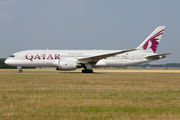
[[158, 65]]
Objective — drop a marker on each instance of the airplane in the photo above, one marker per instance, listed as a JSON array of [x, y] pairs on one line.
[[72, 59]]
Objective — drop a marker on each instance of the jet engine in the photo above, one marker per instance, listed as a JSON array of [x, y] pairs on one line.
[[67, 65]]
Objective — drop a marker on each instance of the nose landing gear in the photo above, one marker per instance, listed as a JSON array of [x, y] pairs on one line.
[[20, 69]]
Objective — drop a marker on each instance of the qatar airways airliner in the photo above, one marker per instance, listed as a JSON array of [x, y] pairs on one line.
[[72, 59]]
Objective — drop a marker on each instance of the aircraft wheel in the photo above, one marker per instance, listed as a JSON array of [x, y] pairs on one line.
[[20, 71], [83, 71], [90, 71], [87, 71]]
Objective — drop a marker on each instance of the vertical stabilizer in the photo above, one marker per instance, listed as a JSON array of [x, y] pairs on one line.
[[151, 43]]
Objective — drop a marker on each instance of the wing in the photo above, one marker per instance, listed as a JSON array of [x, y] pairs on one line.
[[96, 58], [158, 56]]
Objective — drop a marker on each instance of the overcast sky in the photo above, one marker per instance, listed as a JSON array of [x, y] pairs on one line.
[[88, 24]]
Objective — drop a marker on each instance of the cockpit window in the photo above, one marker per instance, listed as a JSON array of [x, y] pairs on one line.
[[12, 56]]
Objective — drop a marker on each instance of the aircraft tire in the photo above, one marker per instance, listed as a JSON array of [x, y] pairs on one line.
[[87, 71], [90, 71], [84, 71], [20, 71]]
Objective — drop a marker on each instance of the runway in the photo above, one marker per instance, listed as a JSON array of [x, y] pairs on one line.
[[96, 71]]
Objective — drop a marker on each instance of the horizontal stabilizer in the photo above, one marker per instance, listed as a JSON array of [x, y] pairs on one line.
[[158, 56]]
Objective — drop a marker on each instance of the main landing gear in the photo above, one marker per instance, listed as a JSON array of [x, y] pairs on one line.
[[87, 71], [87, 68]]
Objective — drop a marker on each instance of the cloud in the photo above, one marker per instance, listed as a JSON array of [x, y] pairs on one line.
[[5, 5], [7, 2], [5, 16]]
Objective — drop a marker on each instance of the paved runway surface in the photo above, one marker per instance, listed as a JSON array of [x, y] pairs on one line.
[[96, 71]]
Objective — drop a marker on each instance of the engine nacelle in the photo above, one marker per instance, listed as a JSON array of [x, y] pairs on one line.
[[67, 65]]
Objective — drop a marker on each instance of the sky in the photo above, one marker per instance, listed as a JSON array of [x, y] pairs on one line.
[[88, 25]]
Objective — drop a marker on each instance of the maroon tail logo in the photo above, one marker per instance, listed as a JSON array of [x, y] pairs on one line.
[[154, 41]]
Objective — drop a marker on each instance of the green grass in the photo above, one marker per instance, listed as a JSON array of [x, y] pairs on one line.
[[73, 95]]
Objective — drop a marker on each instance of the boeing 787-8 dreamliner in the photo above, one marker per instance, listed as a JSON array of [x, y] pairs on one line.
[[72, 59]]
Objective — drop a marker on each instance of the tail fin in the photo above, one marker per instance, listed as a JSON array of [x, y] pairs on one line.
[[151, 43]]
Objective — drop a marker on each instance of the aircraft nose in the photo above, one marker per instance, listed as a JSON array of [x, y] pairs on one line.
[[11, 62], [7, 62]]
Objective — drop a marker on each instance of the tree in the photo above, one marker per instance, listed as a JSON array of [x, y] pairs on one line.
[[4, 66]]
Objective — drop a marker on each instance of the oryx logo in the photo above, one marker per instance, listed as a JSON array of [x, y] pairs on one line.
[[153, 42]]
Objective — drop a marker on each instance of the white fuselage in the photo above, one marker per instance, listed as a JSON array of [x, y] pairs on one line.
[[50, 58]]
